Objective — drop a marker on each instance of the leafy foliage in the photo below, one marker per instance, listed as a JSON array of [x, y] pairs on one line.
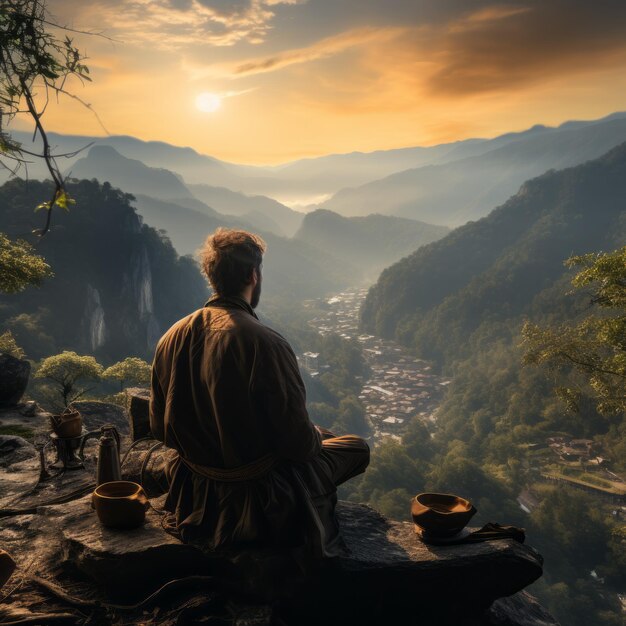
[[8, 345], [596, 346], [131, 369], [20, 266], [65, 370]]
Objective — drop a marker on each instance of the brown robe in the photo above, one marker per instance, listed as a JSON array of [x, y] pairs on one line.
[[226, 392]]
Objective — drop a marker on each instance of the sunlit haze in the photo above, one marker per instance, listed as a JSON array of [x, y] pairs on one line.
[[314, 77], [208, 102]]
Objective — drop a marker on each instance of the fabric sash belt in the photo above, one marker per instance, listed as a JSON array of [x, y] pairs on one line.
[[250, 471]]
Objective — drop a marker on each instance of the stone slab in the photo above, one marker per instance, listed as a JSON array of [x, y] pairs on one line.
[[19, 469], [125, 563], [388, 569]]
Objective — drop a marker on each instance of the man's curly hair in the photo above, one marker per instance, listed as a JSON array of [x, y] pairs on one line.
[[228, 258]]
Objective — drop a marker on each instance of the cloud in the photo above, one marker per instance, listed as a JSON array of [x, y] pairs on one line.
[[175, 24], [505, 46], [322, 49]]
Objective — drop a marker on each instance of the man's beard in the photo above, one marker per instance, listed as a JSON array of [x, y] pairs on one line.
[[256, 295]]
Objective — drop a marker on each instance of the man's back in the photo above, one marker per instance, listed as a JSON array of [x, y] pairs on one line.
[[228, 397], [227, 390]]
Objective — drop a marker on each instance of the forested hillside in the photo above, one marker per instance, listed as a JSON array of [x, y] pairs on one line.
[[446, 296], [462, 301], [118, 284]]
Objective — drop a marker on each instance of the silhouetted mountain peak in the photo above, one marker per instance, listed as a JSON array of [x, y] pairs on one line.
[[105, 163]]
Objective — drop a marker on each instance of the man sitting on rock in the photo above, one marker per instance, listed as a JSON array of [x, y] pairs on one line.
[[227, 395]]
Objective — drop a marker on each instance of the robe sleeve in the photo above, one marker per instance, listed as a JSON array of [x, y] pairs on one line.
[[157, 406], [280, 393]]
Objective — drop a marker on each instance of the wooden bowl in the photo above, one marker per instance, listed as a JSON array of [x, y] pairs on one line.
[[441, 514], [120, 504]]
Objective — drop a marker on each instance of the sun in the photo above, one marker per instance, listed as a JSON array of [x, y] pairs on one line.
[[208, 102]]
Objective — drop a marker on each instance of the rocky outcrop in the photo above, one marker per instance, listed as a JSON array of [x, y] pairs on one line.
[[388, 572], [387, 576], [118, 284], [96, 414], [137, 289], [521, 609], [14, 374]]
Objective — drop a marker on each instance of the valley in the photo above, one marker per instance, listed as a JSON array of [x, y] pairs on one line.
[[399, 387]]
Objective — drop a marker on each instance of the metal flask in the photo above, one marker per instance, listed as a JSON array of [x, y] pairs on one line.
[[108, 460], [109, 468]]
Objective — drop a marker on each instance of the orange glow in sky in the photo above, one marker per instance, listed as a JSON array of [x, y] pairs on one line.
[[267, 81]]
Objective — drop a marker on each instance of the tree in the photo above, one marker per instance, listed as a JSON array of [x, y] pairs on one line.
[[595, 348], [9, 346], [351, 418], [34, 62], [131, 369], [66, 370], [19, 266]]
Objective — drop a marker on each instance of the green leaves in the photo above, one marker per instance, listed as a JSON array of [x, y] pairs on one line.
[[131, 369], [596, 346], [62, 199], [19, 266], [66, 370], [8, 345]]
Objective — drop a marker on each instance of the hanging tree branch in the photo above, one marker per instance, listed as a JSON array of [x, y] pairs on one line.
[[33, 57]]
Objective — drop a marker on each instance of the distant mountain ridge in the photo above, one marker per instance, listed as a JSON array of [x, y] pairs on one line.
[[105, 163], [307, 179], [466, 189], [254, 209], [291, 268], [367, 243], [496, 269], [133, 176]]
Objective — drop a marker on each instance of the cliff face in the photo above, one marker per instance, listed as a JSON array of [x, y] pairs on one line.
[[118, 284], [385, 576], [93, 319]]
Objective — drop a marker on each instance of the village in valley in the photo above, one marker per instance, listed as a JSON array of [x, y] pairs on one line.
[[399, 387]]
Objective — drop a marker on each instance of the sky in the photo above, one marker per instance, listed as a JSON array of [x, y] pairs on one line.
[[284, 79]]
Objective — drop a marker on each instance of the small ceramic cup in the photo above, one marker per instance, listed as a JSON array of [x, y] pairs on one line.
[[120, 504], [7, 567]]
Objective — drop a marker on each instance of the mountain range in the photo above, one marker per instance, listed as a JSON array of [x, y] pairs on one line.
[[438, 184], [335, 249], [490, 273], [117, 286], [464, 189]]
